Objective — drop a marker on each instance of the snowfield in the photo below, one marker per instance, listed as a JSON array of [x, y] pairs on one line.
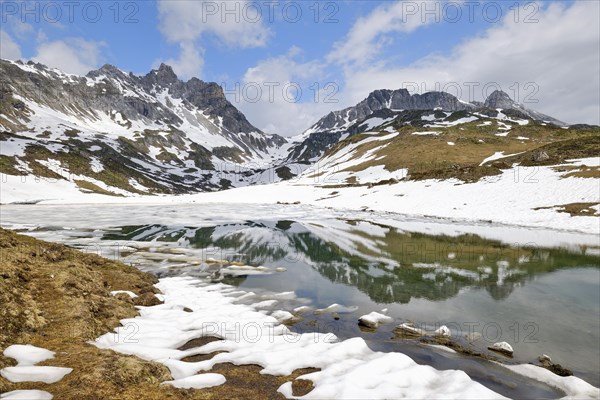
[[509, 198]]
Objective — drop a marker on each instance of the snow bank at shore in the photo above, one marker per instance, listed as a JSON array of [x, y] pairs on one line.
[[348, 369]]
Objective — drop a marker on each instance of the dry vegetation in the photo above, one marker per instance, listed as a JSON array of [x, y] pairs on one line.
[[575, 209], [430, 157], [59, 298]]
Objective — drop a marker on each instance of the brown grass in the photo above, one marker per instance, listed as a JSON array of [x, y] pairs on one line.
[[59, 298], [579, 171], [575, 209], [430, 157], [91, 187]]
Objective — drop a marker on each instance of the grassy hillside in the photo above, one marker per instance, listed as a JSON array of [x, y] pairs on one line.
[[458, 151]]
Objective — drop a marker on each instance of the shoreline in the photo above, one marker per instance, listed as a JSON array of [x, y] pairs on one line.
[[551, 202], [75, 351]]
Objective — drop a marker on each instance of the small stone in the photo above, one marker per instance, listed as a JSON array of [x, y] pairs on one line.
[[544, 358], [502, 347], [410, 330], [442, 331], [540, 156]]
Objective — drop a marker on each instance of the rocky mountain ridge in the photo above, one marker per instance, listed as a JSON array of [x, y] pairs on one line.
[[145, 134], [117, 133], [400, 105]]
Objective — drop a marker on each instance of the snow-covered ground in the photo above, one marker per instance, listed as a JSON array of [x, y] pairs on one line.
[[26, 370], [348, 369], [509, 198]]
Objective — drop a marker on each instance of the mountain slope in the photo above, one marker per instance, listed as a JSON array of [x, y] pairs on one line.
[[112, 132], [468, 149], [431, 109]]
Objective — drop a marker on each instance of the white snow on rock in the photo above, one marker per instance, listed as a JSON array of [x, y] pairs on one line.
[[282, 316], [201, 381], [26, 395], [34, 374], [244, 270], [349, 368], [127, 292], [443, 331], [27, 355], [372, 320], [408, 328], [502, 347], [337, 308]]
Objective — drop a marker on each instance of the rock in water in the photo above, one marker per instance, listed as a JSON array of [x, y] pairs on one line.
[[409, 330], [544, 358], [373, 320], [503, 348], [442, 331]]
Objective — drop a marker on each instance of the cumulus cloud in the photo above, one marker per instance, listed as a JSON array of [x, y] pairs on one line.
[[234, 23], [9, 49], [553, 66], [371, 33], [291, 97], [189, 63], [559, 55], [72, 55]]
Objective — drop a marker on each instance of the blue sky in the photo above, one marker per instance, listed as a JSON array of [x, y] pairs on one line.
[[357, 45]]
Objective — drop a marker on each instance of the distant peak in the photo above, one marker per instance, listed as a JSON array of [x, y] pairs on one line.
[[109, 67], [166, 68], [106, 70], [499, 99], [165, 74]]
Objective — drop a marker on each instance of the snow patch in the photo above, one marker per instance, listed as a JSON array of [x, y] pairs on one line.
[[27, 355], [201, 381]]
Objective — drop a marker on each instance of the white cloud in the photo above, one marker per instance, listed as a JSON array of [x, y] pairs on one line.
[[281, 108], [9, 49], [233, 23], [370, 33], [188, 64], [560, 54], [72, 55]]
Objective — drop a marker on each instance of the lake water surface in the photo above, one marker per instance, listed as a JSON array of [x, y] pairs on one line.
[[486, 283]]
